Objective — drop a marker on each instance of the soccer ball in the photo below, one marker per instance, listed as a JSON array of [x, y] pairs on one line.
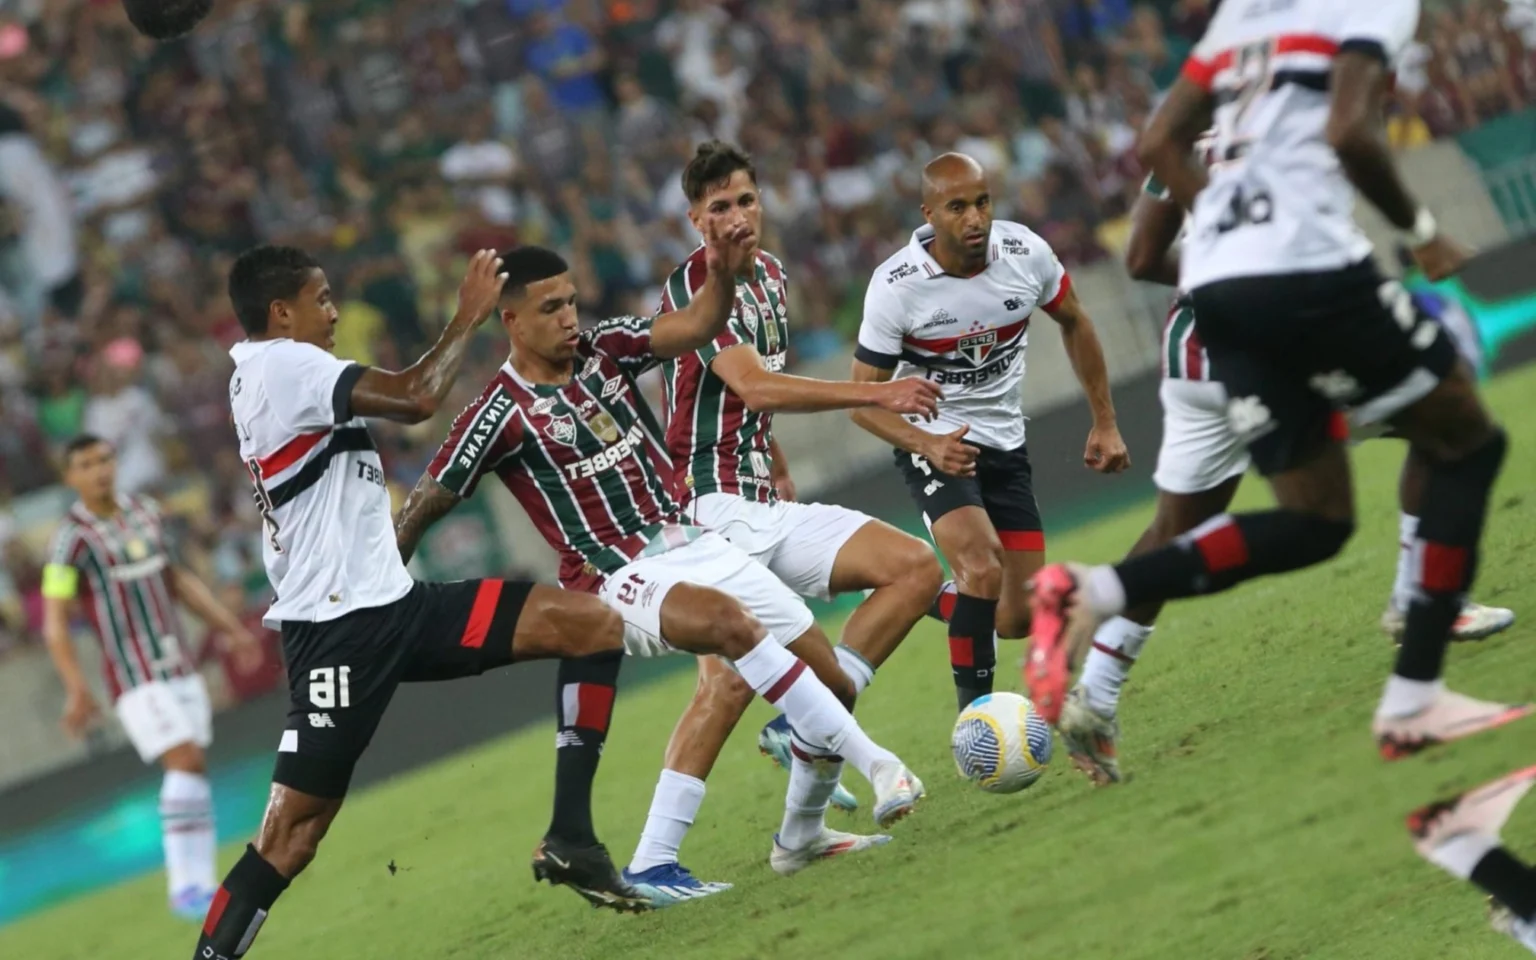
[[1001, 744]]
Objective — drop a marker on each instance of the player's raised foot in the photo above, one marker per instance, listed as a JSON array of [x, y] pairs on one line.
[[831, 843], [1507, 922], [1482, 811], [587, 870], [1451, 716], [1061, 630], [669, 883], [773, 743], [1475, 622], [191, 903], [897, 791], [1090, 738]]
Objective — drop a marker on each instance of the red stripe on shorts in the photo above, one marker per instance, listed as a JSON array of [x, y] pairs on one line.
[[480, 614], [1031, 540]]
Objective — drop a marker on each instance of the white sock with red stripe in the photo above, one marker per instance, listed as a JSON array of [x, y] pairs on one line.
[[1116, 646], [811, 782], [673, 809], [1402, 586], [815, 714], [186, 825]]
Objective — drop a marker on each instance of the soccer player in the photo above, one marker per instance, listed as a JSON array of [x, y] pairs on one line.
[[132, 581], [166, 19], [953, 307], [354, 624], [563, 426], [1198, 469], [732, 478], [1299, 325]]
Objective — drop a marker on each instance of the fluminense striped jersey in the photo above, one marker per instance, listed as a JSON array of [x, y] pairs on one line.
[[717, 444], [585, 459], [1184, 356], [123, 563]]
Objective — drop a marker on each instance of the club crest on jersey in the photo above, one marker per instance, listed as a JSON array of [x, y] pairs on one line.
[[604, 426], [562, 429], [590, 367], [542, 406], [749, 317], [612, 387], [977, 346]]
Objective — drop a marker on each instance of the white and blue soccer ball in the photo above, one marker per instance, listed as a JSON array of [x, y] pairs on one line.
[[1001, 744]]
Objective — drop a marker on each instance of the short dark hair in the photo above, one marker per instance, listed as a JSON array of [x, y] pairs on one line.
[[264, 274], [526, 265], [713, 162], [166, 19], [83, 441]]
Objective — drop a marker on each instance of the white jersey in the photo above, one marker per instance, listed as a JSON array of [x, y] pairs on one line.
[[330, 545], [1278, 200], [966, 334]]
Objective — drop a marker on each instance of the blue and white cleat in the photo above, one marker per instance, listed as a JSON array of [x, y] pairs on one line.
[[831, 843], [897, 791], [773, 742], [191, 903], [669, 883]]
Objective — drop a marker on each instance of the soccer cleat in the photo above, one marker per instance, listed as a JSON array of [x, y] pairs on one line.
[[191, 903], [897, 791], [1475, 622], [1062, 628], [669, 883], [1505, 921], [589, 871], [1090, 738], [1483, 811], [773, 743], [1451, 717], [831, 843]]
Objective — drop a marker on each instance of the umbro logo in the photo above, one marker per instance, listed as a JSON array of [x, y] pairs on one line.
[[1012, 304], [321, 720], [612, 387]]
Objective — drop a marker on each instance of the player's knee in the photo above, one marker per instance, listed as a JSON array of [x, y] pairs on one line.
[[586, 625], [1323, 536], [736, 630], [185, 758], [1013, 621], [723, 689], [923, 576], [979, 570], [293, 847]]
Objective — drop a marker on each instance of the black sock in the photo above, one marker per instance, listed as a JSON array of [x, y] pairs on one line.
[[972, 655], [1445, 555], [943, 606], [1510, 882], [239, 908], [584, 691], [1226, 550]]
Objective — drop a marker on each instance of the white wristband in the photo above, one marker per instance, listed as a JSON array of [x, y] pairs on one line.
[[1424, 229]]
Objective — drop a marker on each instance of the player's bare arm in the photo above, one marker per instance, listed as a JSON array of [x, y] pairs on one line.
[[783, 483], [195, 596], [1152, 254], [413, 394], [728, 253], [944, 450], [1167, 145], [1358, 134], [1106, 451], [428, 503], [762, 390], [80, 708]]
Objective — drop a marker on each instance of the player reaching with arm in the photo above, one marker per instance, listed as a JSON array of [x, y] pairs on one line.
[[1298, 325], [112, 553], [732, 478], [954, 307], [564, 427]]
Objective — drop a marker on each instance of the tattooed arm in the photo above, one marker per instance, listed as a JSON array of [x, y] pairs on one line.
[[427, 504]]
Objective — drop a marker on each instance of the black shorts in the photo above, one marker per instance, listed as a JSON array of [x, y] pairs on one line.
[[1296, 350], [1003, 487], [343, 672]]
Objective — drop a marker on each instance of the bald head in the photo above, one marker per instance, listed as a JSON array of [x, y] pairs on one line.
[[958, 205], [949, 171]]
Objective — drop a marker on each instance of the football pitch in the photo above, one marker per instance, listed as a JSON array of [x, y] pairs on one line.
[[1259, 823]]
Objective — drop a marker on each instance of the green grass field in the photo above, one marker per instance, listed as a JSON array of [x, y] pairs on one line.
[[1259, 822]]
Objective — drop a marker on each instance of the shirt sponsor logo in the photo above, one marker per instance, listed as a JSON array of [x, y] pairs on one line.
[[482, 429], [900, 272], [619, 452], [542, 406], [591, 367], [939, 318], [774, 362], [1013, 246], [972, 378]]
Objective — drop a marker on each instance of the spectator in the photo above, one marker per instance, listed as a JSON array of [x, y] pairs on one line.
[[562, 55], [481, 168], [126, 416], [39, 259]]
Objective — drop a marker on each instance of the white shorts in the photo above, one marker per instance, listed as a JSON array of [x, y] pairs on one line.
[[799, 542], [1200, 449], [166, 713], [637, 589]]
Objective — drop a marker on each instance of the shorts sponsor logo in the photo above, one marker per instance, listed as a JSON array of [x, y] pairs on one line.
[[321, 720], [561, 429], [1249, 418], [1336, 385]]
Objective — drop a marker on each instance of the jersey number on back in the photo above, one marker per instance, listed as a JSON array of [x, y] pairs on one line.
[[264, 503], [1254, 66]]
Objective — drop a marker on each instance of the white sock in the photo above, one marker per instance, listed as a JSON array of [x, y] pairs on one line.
[[186, 826], [1460, 854], [1116, 646], [811, 783], [814, 713], [1402, 586], [673, 808], [1103, 592], [859, 670], [1404, 698]]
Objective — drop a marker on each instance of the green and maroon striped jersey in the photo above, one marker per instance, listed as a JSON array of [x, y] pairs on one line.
[[717, 444], [585, 459], [120, 567], [1184, 356]]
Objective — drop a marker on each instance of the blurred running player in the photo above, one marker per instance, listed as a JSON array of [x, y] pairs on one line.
[[564, 427], [954, 307], [112, 552]]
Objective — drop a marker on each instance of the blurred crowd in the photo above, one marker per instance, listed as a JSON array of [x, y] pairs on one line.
[[392, 137]]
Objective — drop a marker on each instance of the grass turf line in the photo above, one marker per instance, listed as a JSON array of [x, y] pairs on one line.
[[1259, 824]]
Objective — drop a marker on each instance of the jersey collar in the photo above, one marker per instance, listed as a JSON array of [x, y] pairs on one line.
[[930, 267]]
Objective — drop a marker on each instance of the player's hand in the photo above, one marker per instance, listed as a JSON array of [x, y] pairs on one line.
[[245, 650], [784, 486], [80, 712], [910, 395], [1441, 258], [728, 249], [949, 454], [1106, 452], [480, 292]]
